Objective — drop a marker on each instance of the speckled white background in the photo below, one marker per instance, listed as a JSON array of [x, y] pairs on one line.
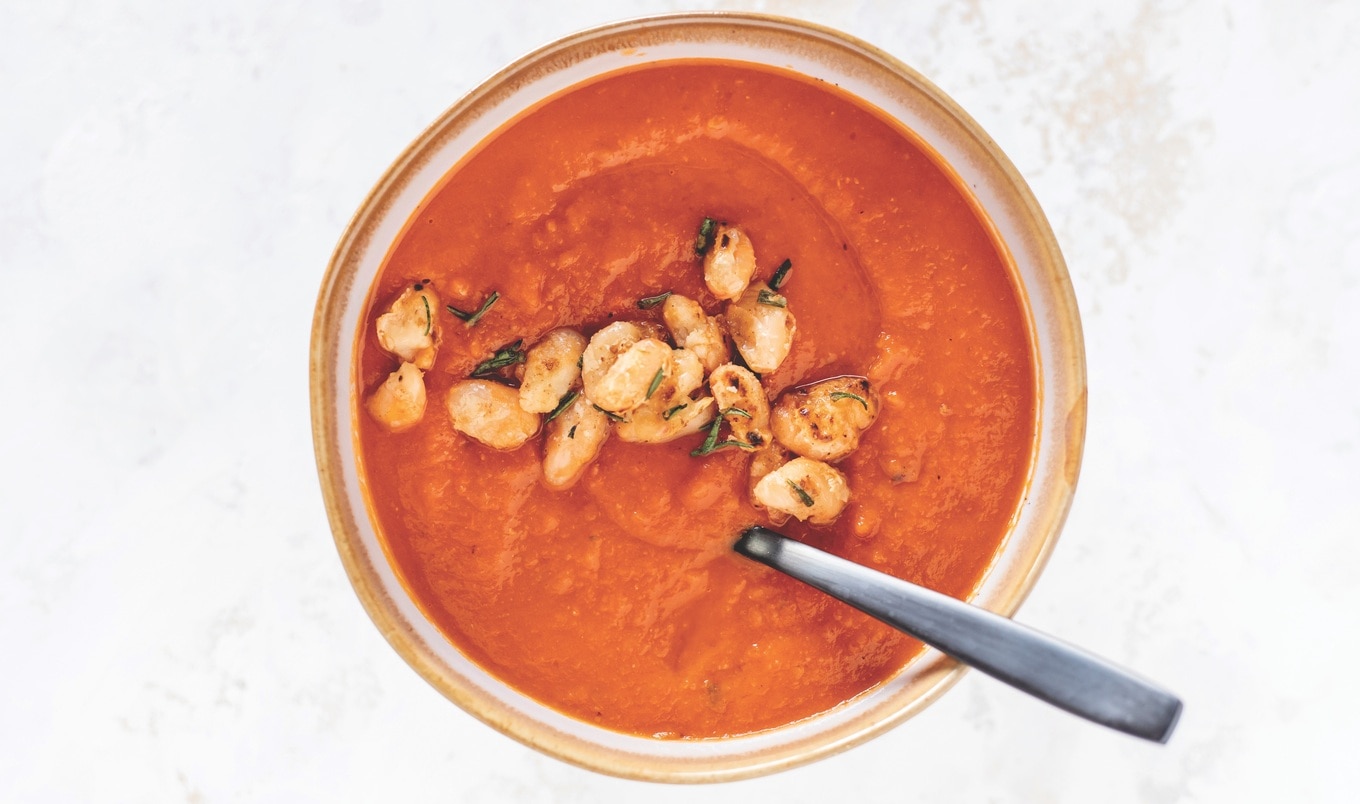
[[176, 625]]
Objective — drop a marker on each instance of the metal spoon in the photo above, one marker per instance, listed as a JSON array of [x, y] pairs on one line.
[[1026, 659]]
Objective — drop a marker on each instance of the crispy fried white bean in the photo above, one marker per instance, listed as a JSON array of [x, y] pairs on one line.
[[619, 365], [603, 349], [550, 369], [729, 263], [762, 330], [399, 403], [736, 387], [670, 412], [490, 413], [763, 462], [410, 327], [686, 378], [824, 420], [573, 440], [807, 489], [695, 330], [647, 425]]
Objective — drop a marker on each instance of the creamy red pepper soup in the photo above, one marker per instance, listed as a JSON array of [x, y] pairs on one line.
[[618, 599]]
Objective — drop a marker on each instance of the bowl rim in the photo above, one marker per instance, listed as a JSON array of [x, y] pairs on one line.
[[936, 673]]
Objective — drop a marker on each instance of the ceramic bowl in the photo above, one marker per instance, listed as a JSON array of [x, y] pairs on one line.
[[877, 79]]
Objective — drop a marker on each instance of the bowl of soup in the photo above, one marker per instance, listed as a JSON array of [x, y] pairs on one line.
[[652, 284]]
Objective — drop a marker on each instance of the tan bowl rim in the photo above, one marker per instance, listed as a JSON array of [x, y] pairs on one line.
[[941, 673]]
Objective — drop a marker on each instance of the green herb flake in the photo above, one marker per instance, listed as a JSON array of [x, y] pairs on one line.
[[704, 241], [656, 382], [668, 414], [711, 441], [429, 319], [781, 275], [507, 355], [611, 414], [652, 301], [848, 395], [802, 495], [471, 319], [771, 299], [563, 405], [572, 432], [712, 444]]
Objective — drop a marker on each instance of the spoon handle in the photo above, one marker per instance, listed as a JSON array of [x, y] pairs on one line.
[[1050, 670]]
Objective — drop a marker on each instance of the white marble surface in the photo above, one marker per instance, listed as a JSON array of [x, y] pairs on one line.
[[175, 622]]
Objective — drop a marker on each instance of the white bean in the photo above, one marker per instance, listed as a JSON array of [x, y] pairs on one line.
[[620, 364], [573, 440], [550, 370], [736, 387], [695, 330], [762, 327], [729, 263], [490, 413], [824, 420], [399, 403], [806, 489], [410, 327]]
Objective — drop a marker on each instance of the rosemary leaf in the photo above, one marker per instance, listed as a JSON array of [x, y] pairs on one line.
[[611, 414], [429, 319], [656, 382], [771, 299], [848, 395], [704, 241], [668, 414], [563, 405], [712, 444], [711, 441], [781, 275], [652, 301], [802, 494], [471, 319], [507, 355]]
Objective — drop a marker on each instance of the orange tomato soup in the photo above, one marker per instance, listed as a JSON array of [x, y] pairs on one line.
[[619, 601]]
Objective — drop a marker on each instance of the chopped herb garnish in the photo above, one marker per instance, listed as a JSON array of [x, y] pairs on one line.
[[802, 495], [611, 414], [770, 298], [429, 320], [711, 441], [781, 275], [471, 319], [581, 361], [572, 432], [507, 355], [563, 405], [668, 414], [848, 395], [652, 301], [712, 444], [704, 241], [656, 382]]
